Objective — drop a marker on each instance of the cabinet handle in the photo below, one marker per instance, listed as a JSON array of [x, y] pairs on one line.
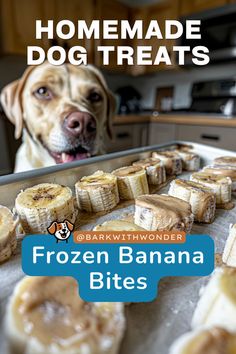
[[123, 135], [210, 137]]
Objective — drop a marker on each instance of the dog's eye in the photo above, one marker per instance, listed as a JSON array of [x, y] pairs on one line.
[[43, 93], [94, 97]]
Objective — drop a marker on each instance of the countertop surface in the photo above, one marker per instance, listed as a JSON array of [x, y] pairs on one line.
[[178, 118]]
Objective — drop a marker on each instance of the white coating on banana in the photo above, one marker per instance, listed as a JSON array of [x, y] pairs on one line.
[[40, 205], [8, 240], [98, 192], [132, 182], [221, 186]]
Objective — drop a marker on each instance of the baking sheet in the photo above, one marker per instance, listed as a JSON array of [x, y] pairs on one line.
[[151, 327]]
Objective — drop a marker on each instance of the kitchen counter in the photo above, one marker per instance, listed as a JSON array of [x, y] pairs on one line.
[[178, 118]]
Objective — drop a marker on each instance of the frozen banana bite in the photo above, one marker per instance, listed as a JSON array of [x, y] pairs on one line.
[[171, 160], [225, 160], [40, 205], [223, 170], [221, 186], [217, 304], [45, 315], [98, 192], [118, 225], [201, 198], [190, 160], [156, 173], [132, 181], [8, 240], [213, 341], [163, 212]]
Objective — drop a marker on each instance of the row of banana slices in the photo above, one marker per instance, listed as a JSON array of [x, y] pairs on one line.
[[37, 207], [214, 319]]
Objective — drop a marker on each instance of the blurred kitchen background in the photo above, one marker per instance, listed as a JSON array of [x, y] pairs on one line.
[[156, 104]]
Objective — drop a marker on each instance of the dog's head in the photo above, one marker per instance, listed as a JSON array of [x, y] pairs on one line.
[[61, 230], [65, 109]]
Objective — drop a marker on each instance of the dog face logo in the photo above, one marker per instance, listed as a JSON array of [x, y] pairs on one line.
[[61, 230]]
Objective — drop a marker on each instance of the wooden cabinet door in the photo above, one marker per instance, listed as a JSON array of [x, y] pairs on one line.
[[191, 6], [111, 10], [168, 9], [75, 10], [18, 26], [161, 133]]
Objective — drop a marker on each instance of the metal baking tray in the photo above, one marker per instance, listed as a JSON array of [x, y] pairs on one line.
[[151, 327]]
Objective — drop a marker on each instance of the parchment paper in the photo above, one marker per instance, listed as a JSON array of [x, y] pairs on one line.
[[151, 327]]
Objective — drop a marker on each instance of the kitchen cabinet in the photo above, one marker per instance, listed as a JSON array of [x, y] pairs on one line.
[[18, 25], [75, 10], [189, 7], [19, 28], [105, 10], [167, 9], [127, 136], [161, 133], [220, 137]]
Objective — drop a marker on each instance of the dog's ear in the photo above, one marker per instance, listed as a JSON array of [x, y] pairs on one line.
[[52, 228], [69, 225], [111, 101], [11, 100]]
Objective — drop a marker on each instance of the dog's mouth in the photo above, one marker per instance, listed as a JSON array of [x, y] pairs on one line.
[[75, 154]]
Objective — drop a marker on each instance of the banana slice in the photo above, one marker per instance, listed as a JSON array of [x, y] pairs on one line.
[[225, 161], [227, 171], [8, 240], [201, 198], [190, 160], [217, 305], [229, 254], [213, 341], [221, 186], [156, 173], [45, 315], [163, 212], [132, 182], [42, 204], [117, 225], [98, 192], [172, 161]]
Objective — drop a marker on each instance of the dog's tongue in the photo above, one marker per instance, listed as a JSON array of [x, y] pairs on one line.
[[69, 157]]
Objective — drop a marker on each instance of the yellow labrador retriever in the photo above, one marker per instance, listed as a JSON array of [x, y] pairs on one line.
[[63, 113]]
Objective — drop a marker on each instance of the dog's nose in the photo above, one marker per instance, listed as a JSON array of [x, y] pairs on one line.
[[80, 123]]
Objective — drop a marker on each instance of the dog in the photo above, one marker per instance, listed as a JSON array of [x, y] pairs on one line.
[[62, 113], [61, 230]]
